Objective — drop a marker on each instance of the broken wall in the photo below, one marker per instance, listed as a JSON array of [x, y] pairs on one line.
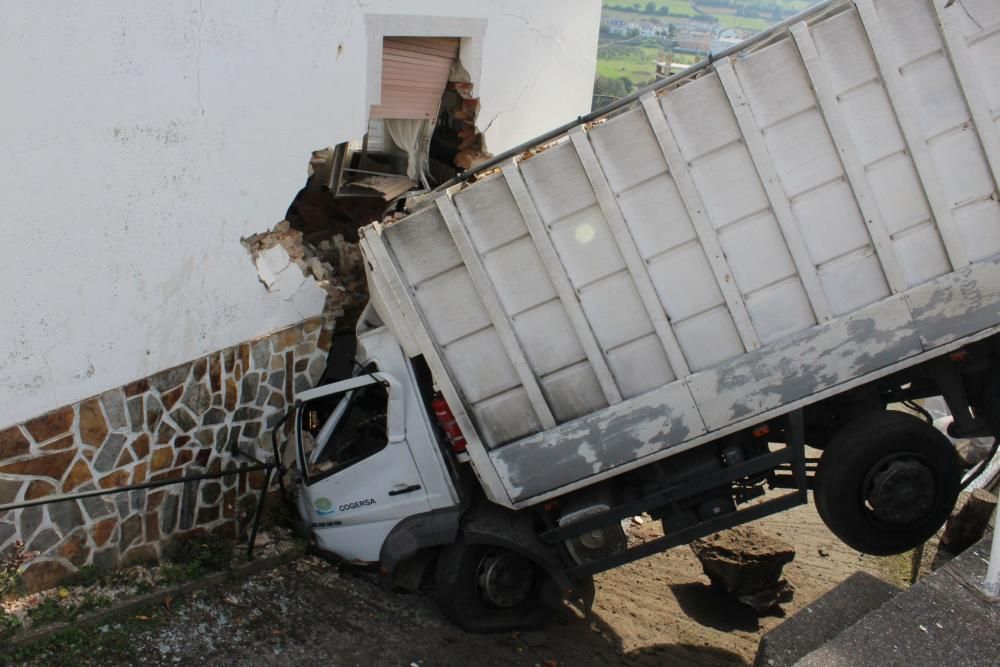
[[143, 142]]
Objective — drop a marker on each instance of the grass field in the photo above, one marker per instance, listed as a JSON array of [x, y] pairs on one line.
[[633, 58]]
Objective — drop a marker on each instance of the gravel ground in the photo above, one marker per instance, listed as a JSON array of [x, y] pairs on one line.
[[657, 611]]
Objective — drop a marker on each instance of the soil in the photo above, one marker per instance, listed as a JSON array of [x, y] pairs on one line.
[[656, 611]]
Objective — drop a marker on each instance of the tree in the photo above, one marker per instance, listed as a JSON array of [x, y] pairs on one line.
[[663, 11], [650, 7]]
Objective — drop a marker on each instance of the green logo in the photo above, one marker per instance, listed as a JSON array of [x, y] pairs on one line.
[[323, 506]]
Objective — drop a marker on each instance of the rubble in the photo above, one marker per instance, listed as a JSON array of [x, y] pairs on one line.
[[747, 563]]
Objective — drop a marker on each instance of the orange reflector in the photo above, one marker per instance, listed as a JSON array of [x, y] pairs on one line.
[[761, 431], [958, 355]]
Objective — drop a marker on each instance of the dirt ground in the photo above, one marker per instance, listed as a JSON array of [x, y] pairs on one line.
[[657, 611]]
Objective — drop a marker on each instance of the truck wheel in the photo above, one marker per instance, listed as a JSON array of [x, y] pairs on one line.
[[886, 482], [485, 588]]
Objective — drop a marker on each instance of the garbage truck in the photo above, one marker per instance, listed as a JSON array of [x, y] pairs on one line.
[[703, 302]]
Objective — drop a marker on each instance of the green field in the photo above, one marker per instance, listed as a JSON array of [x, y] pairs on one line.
[[633, 58]]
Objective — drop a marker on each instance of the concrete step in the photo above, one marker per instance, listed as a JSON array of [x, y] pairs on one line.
[[815, 625]]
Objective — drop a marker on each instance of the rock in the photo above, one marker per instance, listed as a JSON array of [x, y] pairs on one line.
[[746, 563], [44, 540], [170, 378], [215, 372], [41, 575], [140, 446], [213, 416], [64, 442], [198, 371], [74, 549], [154, 410], [31, 519], [9, 490], [171, 397], [115, 480], [165, 433], [93, 428], [248, 390], [136, 414], [247, 414], [39, 489], [823, 552], [183, 419], [210, 492], [168, 515], [136, 388], [198, 398], [13, 443], [102, 530], [261, 353], [163, 458], [142, 554], [50, 425], [109, 453], [51, 465], [231, 394], [205, 437], [131, 531], [114, 407]]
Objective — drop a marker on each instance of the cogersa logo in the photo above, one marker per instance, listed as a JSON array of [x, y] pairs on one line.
[[324, 507]]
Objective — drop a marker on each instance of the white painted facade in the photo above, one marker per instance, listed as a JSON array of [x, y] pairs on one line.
[[140, 143]]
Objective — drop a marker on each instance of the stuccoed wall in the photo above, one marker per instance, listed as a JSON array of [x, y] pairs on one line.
[[142, 141], [177, 422]]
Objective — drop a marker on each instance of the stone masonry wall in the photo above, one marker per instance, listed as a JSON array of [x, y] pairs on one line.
[[180, 421]]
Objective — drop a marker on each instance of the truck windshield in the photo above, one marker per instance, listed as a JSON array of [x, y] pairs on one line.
[[343, 429]]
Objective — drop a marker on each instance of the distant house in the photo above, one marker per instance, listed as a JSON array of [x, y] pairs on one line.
[[617, 27], [648, 30], [720, 43]]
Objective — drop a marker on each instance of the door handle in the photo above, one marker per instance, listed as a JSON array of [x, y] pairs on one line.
[[406, 489]]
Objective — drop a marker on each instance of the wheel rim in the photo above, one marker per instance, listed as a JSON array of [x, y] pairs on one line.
[[504, 578], [899, 490]]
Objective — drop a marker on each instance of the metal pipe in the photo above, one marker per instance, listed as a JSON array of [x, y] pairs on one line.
[[991, 583], [628, 99], [135, 487]]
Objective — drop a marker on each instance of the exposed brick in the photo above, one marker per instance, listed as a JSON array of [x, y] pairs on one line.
[[50, 425]]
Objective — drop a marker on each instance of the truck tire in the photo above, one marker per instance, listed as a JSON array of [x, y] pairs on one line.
[[485, 588], [886, 482]]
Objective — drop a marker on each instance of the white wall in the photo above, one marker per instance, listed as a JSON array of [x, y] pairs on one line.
[[140, 141]]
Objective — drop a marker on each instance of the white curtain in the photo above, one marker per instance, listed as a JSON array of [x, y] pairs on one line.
[[407, 133]]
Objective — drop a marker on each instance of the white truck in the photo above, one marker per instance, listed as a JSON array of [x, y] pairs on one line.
[[656, 308]]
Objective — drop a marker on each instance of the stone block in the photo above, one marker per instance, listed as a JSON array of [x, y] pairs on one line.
[[170, 378], [98, 506], [184, 420], [29, 521], [302, 384], [152, 520], [248, 391], [137, 500], [215, 372], [163, 458], [74, 549], [261, 352], [247, 414], [9, 490], [124, 459], [142, 554], [244, 352], [13, 443], [168, 515], [65, 442], [205, 437], [199, 369], [43, 541], [39, 489], [43, 574], [210, 492], [139, 473], [165, 433], [50, 465], [136, 388], [183, 457], [108, 455], [198, 398], [51, 424], [136, 414], [66, 515], [78, 474], [140, 447], [113, 403], [130, 532], [171, 397], [102, 530], [154, 411], [93, 428], [207, 515], [232, 394], [115, 480], [213, 416], [106, 560]]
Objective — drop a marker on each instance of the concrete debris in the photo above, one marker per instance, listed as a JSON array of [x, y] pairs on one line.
[[284, 260], [747, 563]]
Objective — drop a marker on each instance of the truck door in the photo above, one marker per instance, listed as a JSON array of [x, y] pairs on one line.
[[358, 476]]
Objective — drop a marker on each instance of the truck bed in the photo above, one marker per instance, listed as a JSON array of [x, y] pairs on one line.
[[813, 210]]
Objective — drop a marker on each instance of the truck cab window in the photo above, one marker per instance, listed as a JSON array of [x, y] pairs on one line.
[[343, 429]]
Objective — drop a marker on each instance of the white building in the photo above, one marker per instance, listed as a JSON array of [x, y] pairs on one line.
[[143, 141]]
